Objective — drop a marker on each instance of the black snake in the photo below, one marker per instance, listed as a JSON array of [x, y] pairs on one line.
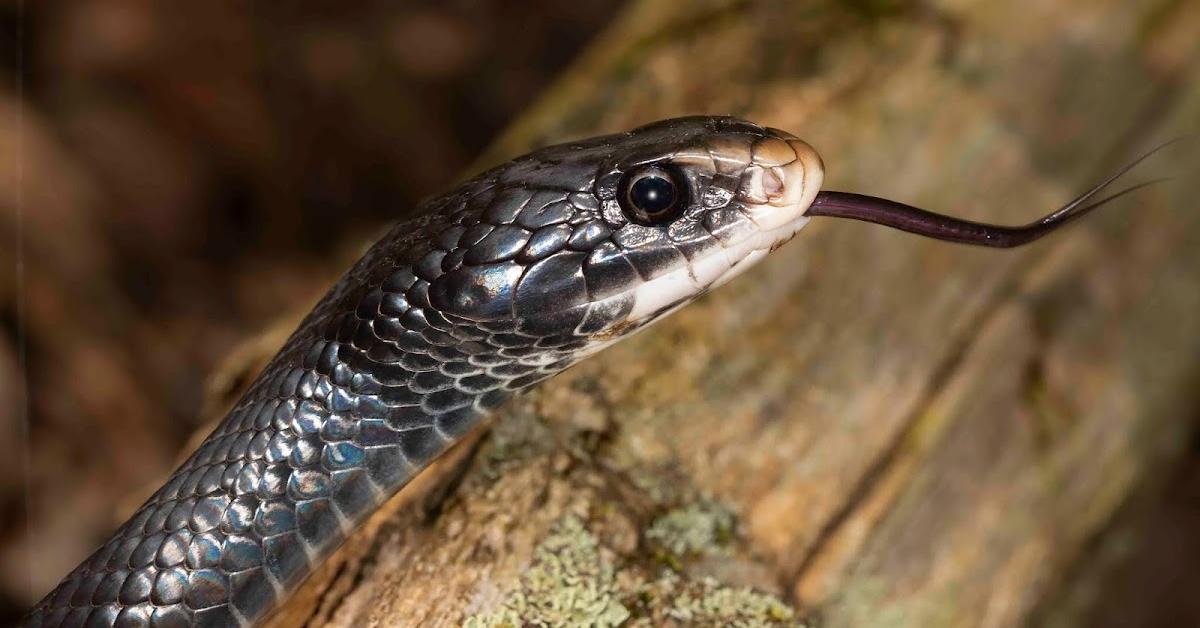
[[498, 284]]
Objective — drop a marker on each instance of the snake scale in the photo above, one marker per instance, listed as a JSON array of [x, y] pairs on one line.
[[508, 279]]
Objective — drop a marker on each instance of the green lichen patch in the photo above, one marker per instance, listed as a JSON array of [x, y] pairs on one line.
[[704, 528], [575, 579], [570, 583], [674, 601], [710, 603]]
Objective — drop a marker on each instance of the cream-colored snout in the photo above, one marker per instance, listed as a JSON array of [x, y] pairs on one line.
[[783, 178]]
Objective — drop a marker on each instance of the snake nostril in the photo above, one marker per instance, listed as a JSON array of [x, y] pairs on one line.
[[764, 185], [772, 183]]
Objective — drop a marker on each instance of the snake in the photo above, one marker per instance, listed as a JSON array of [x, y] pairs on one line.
[[507, 279]]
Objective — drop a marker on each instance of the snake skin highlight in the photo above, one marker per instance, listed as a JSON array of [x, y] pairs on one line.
[[504, 281]]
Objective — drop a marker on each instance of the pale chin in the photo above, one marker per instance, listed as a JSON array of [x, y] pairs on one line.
[[680, 286]]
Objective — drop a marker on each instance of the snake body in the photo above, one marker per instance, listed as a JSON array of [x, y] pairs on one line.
[[496, 285]]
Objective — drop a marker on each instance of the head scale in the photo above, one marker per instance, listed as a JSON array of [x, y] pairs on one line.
[[598, 238]]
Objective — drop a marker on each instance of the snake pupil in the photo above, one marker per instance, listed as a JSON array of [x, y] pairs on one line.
[[652, 196]]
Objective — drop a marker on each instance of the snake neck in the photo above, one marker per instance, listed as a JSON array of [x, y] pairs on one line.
[[374, 385]]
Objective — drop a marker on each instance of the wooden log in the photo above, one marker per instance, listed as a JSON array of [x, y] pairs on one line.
[[870, 428]]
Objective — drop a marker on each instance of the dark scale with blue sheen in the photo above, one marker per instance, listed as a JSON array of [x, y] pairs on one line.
[[499, 284]]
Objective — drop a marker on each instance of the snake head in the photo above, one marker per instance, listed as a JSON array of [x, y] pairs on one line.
[[602, 237]]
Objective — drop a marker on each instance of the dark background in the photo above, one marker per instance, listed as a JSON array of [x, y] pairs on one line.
[[180, 174]]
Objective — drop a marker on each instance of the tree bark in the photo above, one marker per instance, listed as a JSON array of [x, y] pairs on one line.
[[869, 428]]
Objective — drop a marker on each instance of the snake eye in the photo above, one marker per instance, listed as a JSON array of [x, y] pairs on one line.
[[652, 195]]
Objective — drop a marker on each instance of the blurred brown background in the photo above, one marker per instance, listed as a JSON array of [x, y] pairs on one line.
[[181, 174]]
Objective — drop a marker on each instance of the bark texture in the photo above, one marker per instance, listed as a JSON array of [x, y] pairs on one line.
[[869, 428]]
